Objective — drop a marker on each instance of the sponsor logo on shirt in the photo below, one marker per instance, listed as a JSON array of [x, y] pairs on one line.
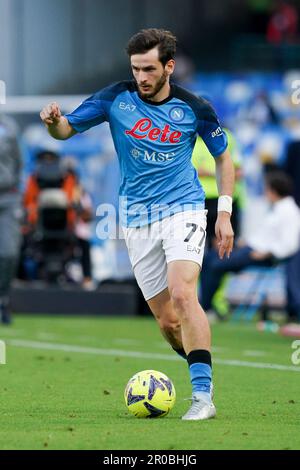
[[217, 132], [149, 156], [158, 156], [144, 129], [136, 153], [126, 107]]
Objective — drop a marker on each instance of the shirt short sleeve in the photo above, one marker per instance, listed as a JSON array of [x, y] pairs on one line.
[[209, 128], [89, 113]]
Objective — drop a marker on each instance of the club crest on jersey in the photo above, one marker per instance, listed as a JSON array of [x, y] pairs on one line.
[[177, 114], [144, 129]]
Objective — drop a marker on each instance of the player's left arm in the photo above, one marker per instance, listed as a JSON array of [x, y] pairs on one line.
[[225, 182]]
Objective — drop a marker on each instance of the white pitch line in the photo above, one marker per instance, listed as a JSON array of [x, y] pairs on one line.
[[141, 355], [217, 349], [127, 341], [253, 353], [11, 332], [88, 350], [46, 336], [256, 365], [164, 345]]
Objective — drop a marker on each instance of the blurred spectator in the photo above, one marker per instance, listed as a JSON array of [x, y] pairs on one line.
[[283, 23], [261, 110], [50, 218], [10, 211], [277, 237], [292, 168], [48, 174], [258, 110], [83, 232], [83, 206]]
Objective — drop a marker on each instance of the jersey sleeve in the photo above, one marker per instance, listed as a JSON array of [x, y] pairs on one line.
[[209, 128], [89, 113], [96, 109]]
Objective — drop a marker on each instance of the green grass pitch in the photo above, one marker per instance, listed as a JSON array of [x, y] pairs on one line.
[[62, 387]]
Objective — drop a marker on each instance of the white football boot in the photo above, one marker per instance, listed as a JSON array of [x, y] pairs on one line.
[[201, 408]]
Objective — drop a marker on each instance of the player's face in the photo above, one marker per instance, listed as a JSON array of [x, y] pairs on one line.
[[149, 73]]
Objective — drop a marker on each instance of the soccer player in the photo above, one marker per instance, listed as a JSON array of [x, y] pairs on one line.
[[154, 125]]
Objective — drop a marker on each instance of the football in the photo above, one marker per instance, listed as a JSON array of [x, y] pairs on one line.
[[149, 394]]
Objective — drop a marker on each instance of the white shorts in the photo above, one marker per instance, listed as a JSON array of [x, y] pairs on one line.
[[152, 247]]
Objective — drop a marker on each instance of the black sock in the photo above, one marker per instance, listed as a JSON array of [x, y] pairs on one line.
[[199, 362], [199, 355], [181, 352]]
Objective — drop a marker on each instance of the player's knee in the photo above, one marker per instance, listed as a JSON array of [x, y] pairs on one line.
[[181, 298], [170, 327]]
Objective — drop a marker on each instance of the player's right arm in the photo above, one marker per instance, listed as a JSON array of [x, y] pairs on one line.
[[57, 125], [91, 112]]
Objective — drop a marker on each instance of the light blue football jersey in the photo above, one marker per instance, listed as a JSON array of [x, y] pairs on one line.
[[154, 143]]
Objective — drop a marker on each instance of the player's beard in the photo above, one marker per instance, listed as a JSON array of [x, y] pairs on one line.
[[159, 85]]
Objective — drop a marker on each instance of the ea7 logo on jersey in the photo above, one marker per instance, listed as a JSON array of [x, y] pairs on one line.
[[217, 132], [126, 106], [144, 129]]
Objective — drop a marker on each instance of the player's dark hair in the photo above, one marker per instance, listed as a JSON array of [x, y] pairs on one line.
[[279, 182], [147, 39]]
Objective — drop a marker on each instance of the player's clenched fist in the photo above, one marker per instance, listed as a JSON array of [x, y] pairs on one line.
[[50, 114]]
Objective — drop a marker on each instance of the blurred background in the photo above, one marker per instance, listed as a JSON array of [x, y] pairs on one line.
[[241, 55], [72, 46]]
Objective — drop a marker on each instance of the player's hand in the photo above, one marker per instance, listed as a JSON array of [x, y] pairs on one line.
[[224, 234], [50, 114]]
